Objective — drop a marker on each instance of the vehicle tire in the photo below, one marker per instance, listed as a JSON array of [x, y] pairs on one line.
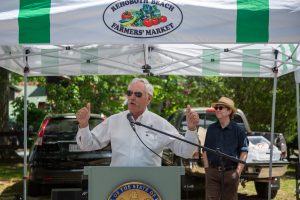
[[262, 190], [34, 189]]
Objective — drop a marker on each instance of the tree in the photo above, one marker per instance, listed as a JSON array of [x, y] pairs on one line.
[[254, 97], [105, 93], [4, 91], [34, 115]]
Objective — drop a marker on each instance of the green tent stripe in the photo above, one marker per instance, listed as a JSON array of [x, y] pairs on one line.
[[284, 58], [34, 21], [294, 57], [252, 23], [250, 65], [211, 66]]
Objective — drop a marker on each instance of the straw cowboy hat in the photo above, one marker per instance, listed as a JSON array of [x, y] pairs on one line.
[[226, 102]]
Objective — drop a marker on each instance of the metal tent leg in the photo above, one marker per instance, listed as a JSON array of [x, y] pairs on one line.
[[298, 181]]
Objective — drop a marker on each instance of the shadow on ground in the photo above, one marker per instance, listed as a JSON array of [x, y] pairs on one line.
[[15, 192]]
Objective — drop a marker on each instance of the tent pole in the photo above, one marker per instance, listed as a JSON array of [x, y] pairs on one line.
[[25, 135], [272, 134], [275, 71], [26, 71], [146, 56], [298, 114]]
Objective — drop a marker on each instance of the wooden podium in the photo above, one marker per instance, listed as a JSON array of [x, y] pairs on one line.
[[104, 181]]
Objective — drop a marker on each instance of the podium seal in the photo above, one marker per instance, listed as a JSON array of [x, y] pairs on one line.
[[134, 191]]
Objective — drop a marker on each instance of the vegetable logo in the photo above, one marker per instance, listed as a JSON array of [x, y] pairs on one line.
[[146, 16], [142, 18]]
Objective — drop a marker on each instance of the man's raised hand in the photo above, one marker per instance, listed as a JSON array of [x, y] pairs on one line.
[[192, 118], [83, 116]]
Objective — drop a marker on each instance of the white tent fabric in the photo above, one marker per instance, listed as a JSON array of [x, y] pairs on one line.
[[239, 60], [189, 21], [237, 38]]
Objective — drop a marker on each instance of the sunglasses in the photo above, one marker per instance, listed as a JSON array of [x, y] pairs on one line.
[[219, 107], [137, 94]]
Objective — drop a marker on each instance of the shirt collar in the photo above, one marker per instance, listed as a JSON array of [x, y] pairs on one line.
[[143, 115], [229, 126]]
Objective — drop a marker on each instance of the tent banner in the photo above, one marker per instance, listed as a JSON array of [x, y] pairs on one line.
[[149, 21]]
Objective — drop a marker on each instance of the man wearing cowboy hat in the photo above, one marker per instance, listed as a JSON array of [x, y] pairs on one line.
[[227, 137]]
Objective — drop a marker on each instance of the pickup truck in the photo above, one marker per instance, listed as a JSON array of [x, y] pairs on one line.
[[256, 169]]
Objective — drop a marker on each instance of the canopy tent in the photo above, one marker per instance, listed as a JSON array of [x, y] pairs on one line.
[[239, 60], [190, 21], [240, 38]]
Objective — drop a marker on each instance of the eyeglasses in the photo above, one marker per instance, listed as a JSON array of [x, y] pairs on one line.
[[219, 107], [137, 94]]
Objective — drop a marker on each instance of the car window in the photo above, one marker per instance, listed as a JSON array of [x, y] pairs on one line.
[[205, 120], [61, 126], [208, 118]]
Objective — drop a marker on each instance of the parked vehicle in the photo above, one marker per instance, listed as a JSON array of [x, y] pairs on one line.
[[55, 159], [257, 167]]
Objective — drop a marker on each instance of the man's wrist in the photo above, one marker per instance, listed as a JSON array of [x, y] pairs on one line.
[[192, 129], [84, 125]]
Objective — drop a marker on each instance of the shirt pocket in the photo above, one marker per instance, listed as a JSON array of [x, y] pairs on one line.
[[150, 138]]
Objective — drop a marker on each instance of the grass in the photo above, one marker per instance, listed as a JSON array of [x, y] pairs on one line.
[[11, 171], [11, 184], [286, 192], [287, 187]]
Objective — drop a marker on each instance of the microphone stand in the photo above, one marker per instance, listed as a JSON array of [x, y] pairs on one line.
[[220, 154]]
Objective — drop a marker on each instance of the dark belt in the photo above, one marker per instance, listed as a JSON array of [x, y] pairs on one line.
[[219, 168]]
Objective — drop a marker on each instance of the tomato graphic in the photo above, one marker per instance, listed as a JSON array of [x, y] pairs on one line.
[[147, 22], [126, 15], [155, 21], [163, 18]]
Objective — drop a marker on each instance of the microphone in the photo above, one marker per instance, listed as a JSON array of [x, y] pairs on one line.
[[131, 121]]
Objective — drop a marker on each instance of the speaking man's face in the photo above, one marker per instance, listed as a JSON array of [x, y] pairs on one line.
[[138, 99]]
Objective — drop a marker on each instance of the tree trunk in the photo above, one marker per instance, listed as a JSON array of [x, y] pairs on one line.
[[4, 91]]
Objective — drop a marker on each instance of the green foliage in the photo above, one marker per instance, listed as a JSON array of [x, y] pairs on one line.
[[34, 115], [255, 95], [176, 92], [105, 93], [286, 112], [15, 79], [168, 94]]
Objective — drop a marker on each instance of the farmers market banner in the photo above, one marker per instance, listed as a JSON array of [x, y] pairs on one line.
[[149, 21]]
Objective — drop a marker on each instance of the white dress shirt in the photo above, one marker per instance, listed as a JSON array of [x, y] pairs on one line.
[[127, 149]]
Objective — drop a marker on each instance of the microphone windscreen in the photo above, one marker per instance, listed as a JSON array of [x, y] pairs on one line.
[[129, 117]]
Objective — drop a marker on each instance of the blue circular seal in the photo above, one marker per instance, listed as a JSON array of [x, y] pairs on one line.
[[134, 191]]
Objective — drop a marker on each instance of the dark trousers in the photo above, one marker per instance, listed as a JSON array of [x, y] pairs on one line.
[[213, 178]]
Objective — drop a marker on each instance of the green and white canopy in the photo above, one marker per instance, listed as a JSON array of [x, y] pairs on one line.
[[246, 38], [179, 59], [188, 21], [191, 37]]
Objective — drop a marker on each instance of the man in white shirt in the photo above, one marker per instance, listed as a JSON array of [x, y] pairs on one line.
[[129, 148]]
